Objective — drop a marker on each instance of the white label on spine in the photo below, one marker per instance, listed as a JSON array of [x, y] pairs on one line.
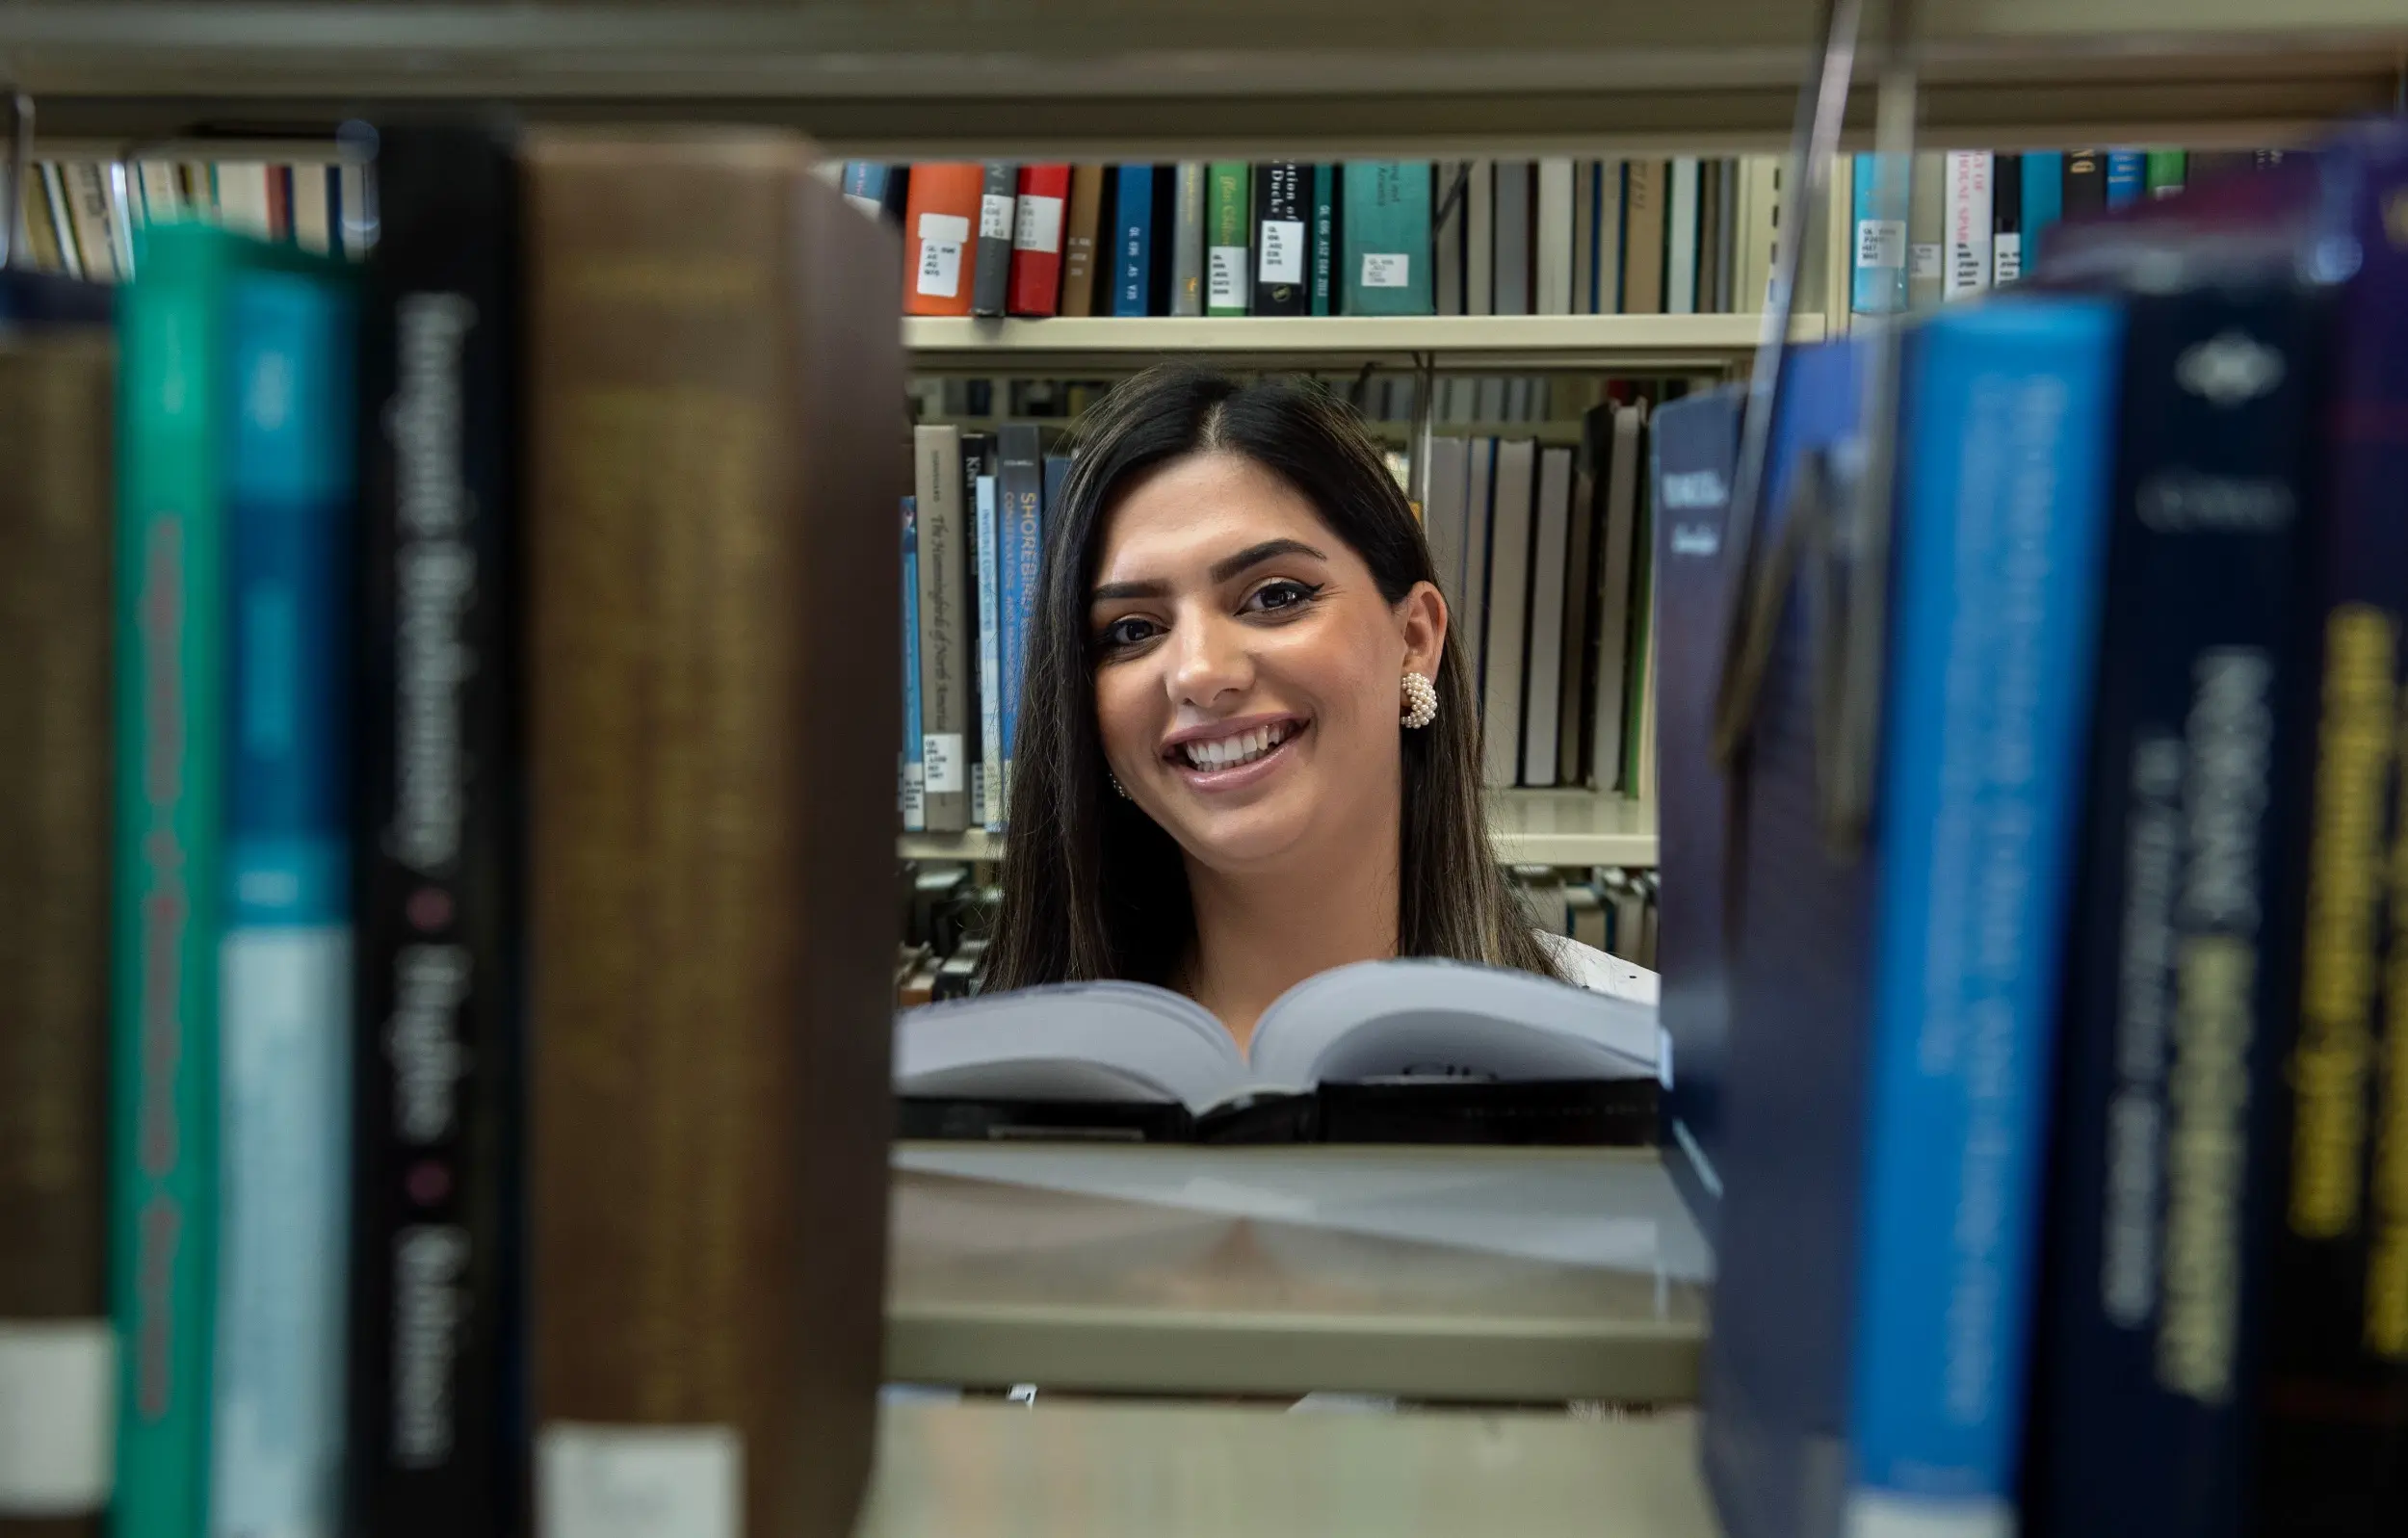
[[1881, 243], [1387, 269], [941, 763], [868, 205], [56, 1423], [1283, 250], [596, 1481], [1926, 254], [1228, 279], [995, 216], [1887, 1514], [1041, 224], [915, 811], [941, 239], [2007, 257]]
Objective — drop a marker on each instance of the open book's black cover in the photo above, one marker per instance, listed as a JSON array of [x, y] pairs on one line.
[[1584, 1112]]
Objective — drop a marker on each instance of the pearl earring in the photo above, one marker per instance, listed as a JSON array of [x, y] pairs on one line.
[[1421, 701], [1118, 787]]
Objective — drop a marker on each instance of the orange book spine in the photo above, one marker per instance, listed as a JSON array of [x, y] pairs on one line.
[[940, 238]]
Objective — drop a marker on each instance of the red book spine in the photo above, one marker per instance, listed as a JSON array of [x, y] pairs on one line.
[[280, 203], [1036, 242]]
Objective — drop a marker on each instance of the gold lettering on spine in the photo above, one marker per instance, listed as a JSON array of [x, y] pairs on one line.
[[2328, 1070]]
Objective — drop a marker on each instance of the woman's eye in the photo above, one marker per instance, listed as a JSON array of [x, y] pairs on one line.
[[1129, 631], [1285, 593]]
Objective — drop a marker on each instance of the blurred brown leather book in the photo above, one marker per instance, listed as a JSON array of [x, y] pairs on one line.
[[57, 408], [717, 413]]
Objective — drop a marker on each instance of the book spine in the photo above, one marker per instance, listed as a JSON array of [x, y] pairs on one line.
[[1079, 249], [977, 463], [170, 884], [57, 396], [1512, 270], [865, 186], [915, 814], [1584, 297], [1133, 244], [1036, 262], [2140, 1409], [1282, 248], [1969, 216], [1449, 197], [2162, 172], [1612, 200], [1879, 282], [1020, 501], [1927, 229], [940, 238], [944, 657], [1680, 268], [436, 1047], [2003, 521], [1229, 209], [1324, 239], [2085, 183], [284, 1022], [2043, 194], [1506, 645], [998, 220], [2007, 220], [1480, 238], [1386, 243], [1186, 236], [1553, 240], [2336, 1401], [2127, 175], [990, 652]]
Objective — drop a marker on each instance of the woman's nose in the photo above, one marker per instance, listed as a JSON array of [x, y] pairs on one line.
[[1209, 661]]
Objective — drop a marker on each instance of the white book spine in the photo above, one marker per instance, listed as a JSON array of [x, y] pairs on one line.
[[1680, 276], [1509, 610], [1608, 277], [1553, 256], [1969, 269], [1551, 548]]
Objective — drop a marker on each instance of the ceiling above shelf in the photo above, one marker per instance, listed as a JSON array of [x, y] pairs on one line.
[[1517, 342], [1128, 78]]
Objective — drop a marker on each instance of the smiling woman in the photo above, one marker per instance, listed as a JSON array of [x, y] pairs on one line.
[[1247, 752]]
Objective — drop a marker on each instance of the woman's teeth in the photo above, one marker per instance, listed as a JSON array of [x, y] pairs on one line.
[[1228, 752]]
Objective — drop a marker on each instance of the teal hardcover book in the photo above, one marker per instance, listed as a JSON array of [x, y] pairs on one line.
[[169, 901], [1385, 269]]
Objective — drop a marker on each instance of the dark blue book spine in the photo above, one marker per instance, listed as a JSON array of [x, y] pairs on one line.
[[2336, 1395], [2175, 979], [1777, 1367], [1132, 248], [437, 1442], [1695, 443]]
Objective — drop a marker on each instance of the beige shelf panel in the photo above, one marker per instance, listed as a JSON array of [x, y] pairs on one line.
[[1072, 1470], [1218, 77], [997, 1281], [1508, 341], [1528, 828]]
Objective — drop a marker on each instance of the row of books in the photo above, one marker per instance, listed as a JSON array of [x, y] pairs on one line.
[[80, 216], [1975, 218], [973, 534], [1541, 553], [1386, 400], [1508, 237], [438, 988], [1608, 908], [2047, 1108]]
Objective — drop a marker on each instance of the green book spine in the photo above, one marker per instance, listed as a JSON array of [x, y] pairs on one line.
[[1385, 267], [170, 877], [1228, 211], [1324, 237], [2164, 173]]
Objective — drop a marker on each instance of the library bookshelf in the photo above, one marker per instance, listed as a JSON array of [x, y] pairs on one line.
[[1169, 79]]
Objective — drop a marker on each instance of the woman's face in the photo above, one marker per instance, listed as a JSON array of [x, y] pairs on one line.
[[1249, 673]]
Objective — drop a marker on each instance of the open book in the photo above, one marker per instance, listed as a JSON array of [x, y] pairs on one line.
[[1491, 1043]]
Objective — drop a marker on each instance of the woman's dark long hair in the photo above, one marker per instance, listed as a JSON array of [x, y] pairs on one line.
[[1093, 888]]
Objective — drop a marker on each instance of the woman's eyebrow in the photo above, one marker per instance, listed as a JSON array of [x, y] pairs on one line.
[[1221, 570], [1229, 567]]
